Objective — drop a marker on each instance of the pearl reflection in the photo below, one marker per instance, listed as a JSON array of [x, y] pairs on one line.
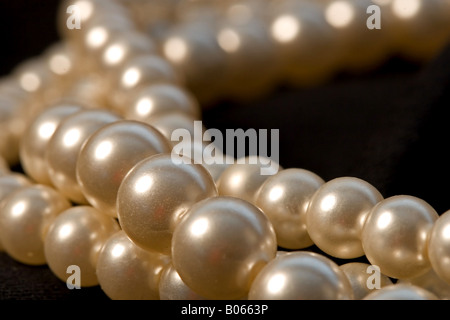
[[339, 14], [131, 77], [446, 232], [175, 49], [285, 28], [199, 227], [143, 184], [229, 40], [406, 9], [65, 231], [96, 37], [276, 283], [118, 250], [114, 54], [18, 209], [71, 137], [103, 150], [30, 82], [60, 64], [384, 220], [144, 106], [328, 202], [276, 193], [46, 130]]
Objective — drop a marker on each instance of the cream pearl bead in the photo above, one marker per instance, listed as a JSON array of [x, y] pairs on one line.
[[122, 47], [193, 50], [439, 247], [359, 276], [171, 287], [154, 196], [243, 178], [301, 276], [36, 138], [250, 70], [107, 156], [127, 272], [284, 198], [336, 215], [25, 218], [401, 292], [395, 236], [304, 43], [160, 98], [76, 237], [220, 245], [431, 282], [137, 72], [8, 184], [64, 146]]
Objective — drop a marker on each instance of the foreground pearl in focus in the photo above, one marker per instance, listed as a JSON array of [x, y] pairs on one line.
[[361, 278], [154, 196], [76, 237], [107, 156], [127, 272], [401, 292], [220, 246], [301, 276], [284, 198], [337, 213], [36, 138], [25, 218], [242, 180], [439, 247], [65, 144], [395, 236], [171, 287]]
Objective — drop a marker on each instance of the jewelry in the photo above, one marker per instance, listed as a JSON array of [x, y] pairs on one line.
[[90, 123]]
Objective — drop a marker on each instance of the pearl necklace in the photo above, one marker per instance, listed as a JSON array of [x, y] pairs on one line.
[[101, 201]]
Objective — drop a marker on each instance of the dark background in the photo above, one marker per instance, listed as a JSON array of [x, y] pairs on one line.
[[389, 127]]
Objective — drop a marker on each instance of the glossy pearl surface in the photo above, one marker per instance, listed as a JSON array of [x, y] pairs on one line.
[[220, 246], [336, 215], [242, 180], [25, 218], [155, 195], [401, 292], [284, 198], [439, 247], [37, 137], [107, 156], [76, 237], [301, 276], [65, 144], [361, 277], [171, 287], [395, 236], [127, 272]]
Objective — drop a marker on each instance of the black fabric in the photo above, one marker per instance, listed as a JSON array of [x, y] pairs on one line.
[[389, 127]]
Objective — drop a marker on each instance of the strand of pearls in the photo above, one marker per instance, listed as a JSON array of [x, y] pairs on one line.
[[90, 121]]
